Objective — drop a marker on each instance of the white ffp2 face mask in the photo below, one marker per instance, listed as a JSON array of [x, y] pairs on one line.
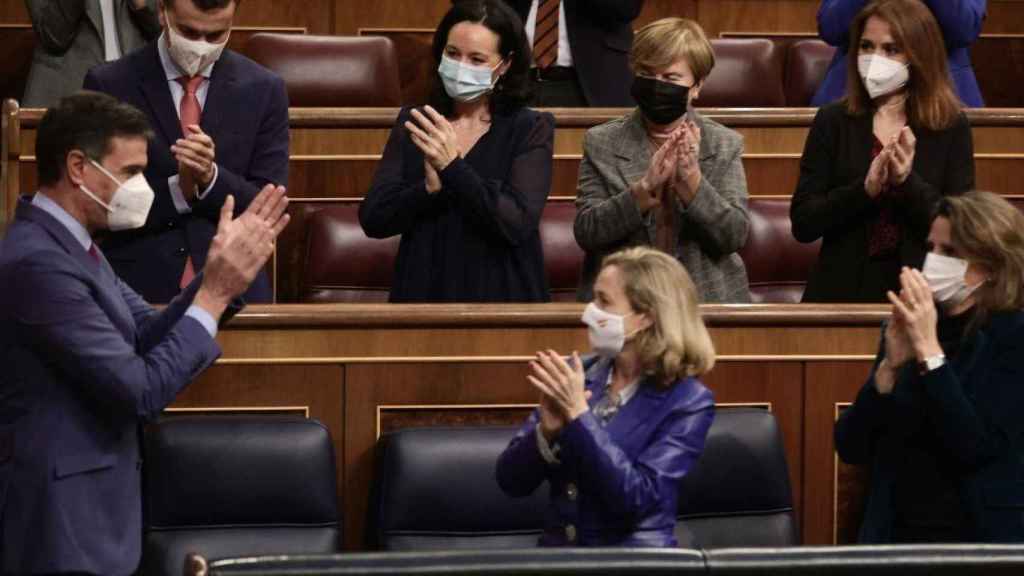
[[191, 55], [130, 204], [946, 278], [607, 331], [882, 75], [464, 82]]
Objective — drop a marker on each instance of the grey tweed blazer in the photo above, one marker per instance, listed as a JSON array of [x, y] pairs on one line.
[[69, 41], [711, 229]]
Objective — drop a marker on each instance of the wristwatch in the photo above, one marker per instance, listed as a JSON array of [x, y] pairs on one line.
[[931, 363]]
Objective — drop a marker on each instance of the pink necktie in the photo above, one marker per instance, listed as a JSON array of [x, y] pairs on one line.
[[94, 252], [189, 113]]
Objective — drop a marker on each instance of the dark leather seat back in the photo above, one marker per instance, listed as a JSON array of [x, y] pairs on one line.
[[806, 64], [902, 560], [435, 489], [747, 74], [226, 486], [533, 562], [331, 70], [563, 258], [343, 264], [777, 265], [739, 492]]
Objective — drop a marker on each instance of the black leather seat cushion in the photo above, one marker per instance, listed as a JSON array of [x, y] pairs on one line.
[[237, 485], [739, 492], [435, 489]]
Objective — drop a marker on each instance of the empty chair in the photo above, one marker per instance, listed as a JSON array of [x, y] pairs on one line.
[[739, 492], [544, 562], [435, 489], [903, 560], [331, 70], [747, 74], [342, 263], [806, 64], [225, 486], [563, 258], [777, 265]]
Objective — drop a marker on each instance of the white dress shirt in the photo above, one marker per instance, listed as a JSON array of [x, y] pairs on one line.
[[177, 93], [111, 43]]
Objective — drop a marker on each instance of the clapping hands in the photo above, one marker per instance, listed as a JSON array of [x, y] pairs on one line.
[[893, 164], [674, 163]]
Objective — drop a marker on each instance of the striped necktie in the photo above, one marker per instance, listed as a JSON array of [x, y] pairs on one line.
[[545, 33]]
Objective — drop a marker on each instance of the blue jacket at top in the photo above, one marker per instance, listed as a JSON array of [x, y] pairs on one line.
[[960, 21]]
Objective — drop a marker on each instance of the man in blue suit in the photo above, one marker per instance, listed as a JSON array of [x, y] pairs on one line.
[[85, 359], [221, 124]]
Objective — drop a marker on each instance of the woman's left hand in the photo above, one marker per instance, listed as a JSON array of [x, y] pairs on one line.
[[903, 147], [564, 384], [687, 176], [915, 308], [434, 136]]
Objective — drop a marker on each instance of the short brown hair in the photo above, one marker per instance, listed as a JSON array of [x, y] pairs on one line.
[[989, 231], [931, 101], [662, 42], [677, 344], [85, 121]]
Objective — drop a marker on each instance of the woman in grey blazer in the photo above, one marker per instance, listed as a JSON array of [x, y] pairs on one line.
[[72, 36], [664, 175]]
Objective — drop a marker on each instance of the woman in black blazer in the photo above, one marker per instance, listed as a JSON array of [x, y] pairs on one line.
[[875, 163], [938, 421]]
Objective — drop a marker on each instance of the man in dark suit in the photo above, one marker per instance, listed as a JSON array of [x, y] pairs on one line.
[[85, 359], [221, 125], [581, 53]]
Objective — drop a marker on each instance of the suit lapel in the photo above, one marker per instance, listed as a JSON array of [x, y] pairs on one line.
[[633, 157], [92, 11], [219, 98], [637, 411], [153, 83]]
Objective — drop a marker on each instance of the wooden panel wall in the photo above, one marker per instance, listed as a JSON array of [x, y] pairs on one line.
[[366, 369]]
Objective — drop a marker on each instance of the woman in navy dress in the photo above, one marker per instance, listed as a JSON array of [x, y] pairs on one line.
[[464, 180]]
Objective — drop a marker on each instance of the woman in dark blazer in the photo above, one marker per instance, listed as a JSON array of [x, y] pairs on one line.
[[464, 181], [875, 163], [938, 422], [615, 433]]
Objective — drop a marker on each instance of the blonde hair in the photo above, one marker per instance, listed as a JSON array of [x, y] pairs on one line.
[[989, 232], [661, 43], [677, 343]]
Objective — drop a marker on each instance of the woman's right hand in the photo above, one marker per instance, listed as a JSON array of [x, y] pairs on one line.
[[551, 419], [878, 173], [662, 166]]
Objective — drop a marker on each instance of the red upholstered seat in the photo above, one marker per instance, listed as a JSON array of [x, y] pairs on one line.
[[342, 263], [747, 74], [331, 70], [777, 265], [563, 258], [806, 64]]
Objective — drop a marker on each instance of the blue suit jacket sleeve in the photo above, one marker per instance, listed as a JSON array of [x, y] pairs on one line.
[[135, 378], [960, 20], [630, 488], [521, 468], [268, 164], [834, 18]]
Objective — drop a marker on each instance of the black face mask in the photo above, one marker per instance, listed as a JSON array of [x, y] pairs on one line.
[[661, 102]]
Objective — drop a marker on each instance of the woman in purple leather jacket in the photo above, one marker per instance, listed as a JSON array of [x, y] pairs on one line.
[[960, 21], [616, 432]]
